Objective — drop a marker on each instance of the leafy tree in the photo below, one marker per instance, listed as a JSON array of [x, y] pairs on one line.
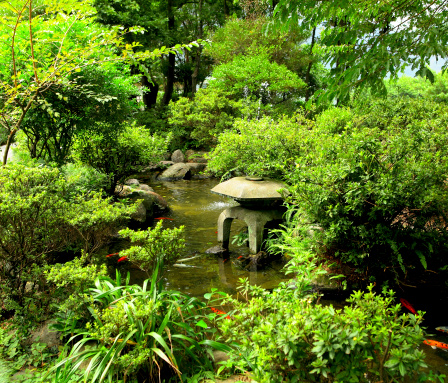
[[118, 153], [247, 37], [249, 86], [44, 47], [255, 77], [167, 22], [103, 94], [365, 41], [418, 87]]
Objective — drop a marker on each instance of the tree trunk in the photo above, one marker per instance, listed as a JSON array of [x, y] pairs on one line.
[[8, 145], [149, 97], [169, 87], [197, 63], [226, 9], [308, 71]]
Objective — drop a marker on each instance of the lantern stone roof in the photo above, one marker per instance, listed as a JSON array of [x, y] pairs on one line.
[[250, 189]]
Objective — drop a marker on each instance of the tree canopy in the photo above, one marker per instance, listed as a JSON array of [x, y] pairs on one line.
[[364, 41]]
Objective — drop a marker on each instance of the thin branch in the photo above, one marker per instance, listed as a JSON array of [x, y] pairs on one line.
[[31, 42], [13, 42]]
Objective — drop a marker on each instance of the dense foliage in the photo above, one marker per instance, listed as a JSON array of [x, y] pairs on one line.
[[139, 333], [39, 218], [372, 177], [264, 147], [376, 184], [365, 41], [118, 152], [367, 181], [103, 94], [285, 335]]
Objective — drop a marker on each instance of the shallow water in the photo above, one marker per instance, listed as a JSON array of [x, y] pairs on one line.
[[194, 206]]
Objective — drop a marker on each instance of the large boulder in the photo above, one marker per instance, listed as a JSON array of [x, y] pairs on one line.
[[150, 202], [176, 172], [178, 156], [132, 182], [182, 171], [195, 156]]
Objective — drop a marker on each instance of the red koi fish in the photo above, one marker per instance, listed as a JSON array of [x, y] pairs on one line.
[[435, 344], [111, 255], [219, 312], [406, 304], [169, 219], [122, 259]]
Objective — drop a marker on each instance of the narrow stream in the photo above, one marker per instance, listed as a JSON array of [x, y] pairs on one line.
[[194, 206]]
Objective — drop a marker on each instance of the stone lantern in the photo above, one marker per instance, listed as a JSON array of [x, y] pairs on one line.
[[259, 200]]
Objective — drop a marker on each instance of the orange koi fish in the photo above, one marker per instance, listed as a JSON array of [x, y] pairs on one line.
[[169, 219], [406, 304], [111, 255], [219, 312], [442, 328], [435, 344], [122, 259]]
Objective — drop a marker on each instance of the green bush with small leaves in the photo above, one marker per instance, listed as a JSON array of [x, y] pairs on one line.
[[153, 247], [118, 152], [376, 185], [264, 147], [38, 219], [285, 335]]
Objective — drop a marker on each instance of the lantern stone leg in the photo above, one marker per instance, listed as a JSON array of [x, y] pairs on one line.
[[254, 219]]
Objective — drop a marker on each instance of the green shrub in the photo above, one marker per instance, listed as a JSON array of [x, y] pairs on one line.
[[280, 336], [153, 247], [83, 179], [377, 187], [255, 76], [198, 121], [118, 152], [284, 335], [38, 218], [262, 147]]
